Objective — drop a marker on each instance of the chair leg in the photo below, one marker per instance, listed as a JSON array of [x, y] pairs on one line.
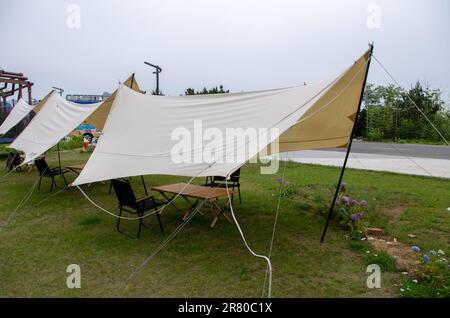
[[40, 179], [159, 221], [64, 178], [239, 192], [140, 225], [53, 181], [118, 219], [110, 187]]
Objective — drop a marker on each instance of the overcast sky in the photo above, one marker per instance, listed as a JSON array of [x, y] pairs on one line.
[[242, 44]]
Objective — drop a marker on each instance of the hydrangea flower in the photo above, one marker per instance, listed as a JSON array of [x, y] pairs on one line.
[[345, 199], [356, 216], [426, 258], [415, 249]]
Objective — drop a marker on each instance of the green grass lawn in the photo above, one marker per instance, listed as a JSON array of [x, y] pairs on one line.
[[41, 241]]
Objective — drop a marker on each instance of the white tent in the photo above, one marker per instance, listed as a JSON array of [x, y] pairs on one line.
[[143, 133], [18, 112], [57, 118]]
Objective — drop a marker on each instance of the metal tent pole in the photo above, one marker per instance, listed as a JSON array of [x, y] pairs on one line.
[[352, 135]]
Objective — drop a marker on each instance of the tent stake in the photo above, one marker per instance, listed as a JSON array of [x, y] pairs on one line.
[[352, 135]]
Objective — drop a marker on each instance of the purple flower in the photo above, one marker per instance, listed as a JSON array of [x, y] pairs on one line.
[[363, 203], [356, 216], [426, 258], [415, 249], [342, 210], [280, 180], [354, 202], [345, 199]]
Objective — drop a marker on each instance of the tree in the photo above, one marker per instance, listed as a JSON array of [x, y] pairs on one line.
[[391, 114], [214, 90]]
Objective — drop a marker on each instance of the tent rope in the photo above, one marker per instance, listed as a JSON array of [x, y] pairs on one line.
[[22, 202], [412, 101], [410, 159], [167, 240], [275, 222], [8, 173], [269, 264]]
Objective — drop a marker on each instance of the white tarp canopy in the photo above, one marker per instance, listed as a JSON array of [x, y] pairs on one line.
[[144, 133], [18, 112], [56, 119]]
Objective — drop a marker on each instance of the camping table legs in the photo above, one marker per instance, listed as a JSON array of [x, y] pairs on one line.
[[169, 200], [220, 210]]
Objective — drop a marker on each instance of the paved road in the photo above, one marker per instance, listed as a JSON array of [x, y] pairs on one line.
[[427, 160], [408, 150]]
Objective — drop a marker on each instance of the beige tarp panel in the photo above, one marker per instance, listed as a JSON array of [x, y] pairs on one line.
[[98, 118], [42, 102], [329, 122]]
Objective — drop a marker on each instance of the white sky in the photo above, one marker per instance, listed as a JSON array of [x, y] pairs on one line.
[[242, 44]]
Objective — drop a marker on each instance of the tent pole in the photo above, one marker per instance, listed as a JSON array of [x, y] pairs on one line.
[[352, 135], [132, 81], [59, 156]]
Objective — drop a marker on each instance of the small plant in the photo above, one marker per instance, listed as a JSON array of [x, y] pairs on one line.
[[350, 213], [433, 276], [383, 259], [288, 189]]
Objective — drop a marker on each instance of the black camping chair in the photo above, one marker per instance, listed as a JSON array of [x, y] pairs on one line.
[[46, 171], [129, 203], [14, 160], [219, 182]]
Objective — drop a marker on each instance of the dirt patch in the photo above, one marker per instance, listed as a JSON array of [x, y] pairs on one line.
[[396, 212], [404, 256]]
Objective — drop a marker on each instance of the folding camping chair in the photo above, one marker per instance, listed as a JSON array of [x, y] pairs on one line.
[[219, 182], [13, 161], [46, 171], [129, 203]]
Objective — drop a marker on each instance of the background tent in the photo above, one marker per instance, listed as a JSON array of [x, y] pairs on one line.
[[58, 118], [137, 138], [18, 112]]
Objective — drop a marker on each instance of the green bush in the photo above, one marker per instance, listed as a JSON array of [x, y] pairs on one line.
[[384, 260]]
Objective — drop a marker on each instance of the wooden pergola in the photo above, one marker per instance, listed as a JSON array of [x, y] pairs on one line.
[[11, 82]]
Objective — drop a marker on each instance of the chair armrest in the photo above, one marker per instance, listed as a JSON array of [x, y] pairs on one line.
[[150, 196]]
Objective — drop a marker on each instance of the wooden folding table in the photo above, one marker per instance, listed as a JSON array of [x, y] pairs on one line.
[[192, 194], [76, 168]]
